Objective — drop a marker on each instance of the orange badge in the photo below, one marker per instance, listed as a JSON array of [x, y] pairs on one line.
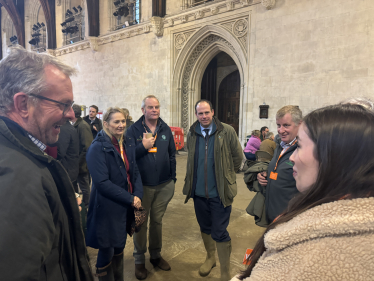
[[247, 253], [273, 176], [152, 150]]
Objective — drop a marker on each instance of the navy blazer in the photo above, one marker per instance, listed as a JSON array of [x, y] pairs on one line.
[[110, 199]]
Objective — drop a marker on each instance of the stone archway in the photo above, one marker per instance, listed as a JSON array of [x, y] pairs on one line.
[[190, 65]]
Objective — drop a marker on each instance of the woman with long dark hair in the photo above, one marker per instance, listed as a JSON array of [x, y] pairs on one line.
[[327, 233], [116, 190]]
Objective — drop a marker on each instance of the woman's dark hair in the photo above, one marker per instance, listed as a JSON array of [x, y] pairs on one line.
[[343, 136]]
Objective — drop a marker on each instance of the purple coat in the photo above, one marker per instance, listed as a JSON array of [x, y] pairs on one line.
[[253, 145]]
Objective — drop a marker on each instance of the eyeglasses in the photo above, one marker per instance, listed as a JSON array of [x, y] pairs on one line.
[[67, 106]]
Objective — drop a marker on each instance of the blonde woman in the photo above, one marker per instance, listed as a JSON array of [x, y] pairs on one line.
[[253, 145], [116, 190]]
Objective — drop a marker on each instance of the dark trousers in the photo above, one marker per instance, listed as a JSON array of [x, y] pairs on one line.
[[104, 257], [83, 182], [250, 156], [213, 217]]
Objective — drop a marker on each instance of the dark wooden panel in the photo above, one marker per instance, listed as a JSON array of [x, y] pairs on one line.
[[49, 9], [93, 17], [229, 100], [209, 82], [158, 8], [17, 15]]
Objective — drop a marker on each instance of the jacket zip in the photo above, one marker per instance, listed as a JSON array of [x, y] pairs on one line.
[[206, 166]]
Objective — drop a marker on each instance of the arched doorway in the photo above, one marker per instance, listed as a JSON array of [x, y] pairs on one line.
[[221, 86], [190, 65]]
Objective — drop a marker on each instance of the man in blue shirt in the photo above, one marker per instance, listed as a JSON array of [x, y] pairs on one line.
[[214, 155]]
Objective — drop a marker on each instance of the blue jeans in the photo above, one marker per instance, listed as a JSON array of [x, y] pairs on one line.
[[250, 156]]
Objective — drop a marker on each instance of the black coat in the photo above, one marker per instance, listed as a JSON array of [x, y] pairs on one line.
[[68, 150], [159, 169], [97, 123], [110, 200], [279, 192], [40, 230], [85, 140]]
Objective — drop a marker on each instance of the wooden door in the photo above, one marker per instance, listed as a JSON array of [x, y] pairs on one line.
[[229, 100]]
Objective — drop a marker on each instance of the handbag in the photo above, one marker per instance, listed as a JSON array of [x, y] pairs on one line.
[[135, 220]]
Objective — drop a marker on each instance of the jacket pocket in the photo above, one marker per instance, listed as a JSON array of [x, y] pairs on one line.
[[230, 187]]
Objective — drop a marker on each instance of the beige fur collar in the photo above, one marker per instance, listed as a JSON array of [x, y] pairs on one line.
[[344, 217]]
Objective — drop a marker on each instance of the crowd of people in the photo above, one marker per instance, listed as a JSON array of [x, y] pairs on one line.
[[315, 184]]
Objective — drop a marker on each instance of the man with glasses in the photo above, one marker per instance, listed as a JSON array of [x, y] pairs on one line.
[[155, 155], [40, 230], [85, 140]]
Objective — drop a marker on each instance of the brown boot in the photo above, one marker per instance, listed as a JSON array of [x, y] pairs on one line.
[[161, 263], [224, 252], [105, 273], [210, 261], [117, 264], [140, 271]]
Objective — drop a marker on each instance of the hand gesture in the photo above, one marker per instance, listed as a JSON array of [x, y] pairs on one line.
[[148, 143], [137, 202], [94, 128], [79, 201], [261, 177]]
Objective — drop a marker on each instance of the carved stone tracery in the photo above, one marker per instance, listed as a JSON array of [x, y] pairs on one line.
[[268, 4], [186, 91]]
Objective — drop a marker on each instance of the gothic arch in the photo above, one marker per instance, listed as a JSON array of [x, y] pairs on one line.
[[7, 26], [49, 10], [189, 69], [17, 19]]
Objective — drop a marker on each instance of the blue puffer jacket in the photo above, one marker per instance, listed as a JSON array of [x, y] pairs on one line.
[[110, 199]]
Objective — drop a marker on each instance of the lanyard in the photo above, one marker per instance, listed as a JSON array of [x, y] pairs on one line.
[[124, 161], [283, 152], [121, 148]]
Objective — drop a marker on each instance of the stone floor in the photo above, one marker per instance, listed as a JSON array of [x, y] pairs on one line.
[[182, 244]]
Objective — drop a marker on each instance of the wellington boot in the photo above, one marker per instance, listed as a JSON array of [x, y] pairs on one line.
[[117, 262], [210, 261], [105, 273], [224, 252]]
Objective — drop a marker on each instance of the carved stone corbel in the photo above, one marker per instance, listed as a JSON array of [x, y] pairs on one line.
[[184, 18], [230, 5], [147, 28], [51, 52], [214, 10], [94, 43], [157, 26], [199, 15], [268, 4], [171, 22]]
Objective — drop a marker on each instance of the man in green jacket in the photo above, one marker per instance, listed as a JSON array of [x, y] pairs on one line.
[[40, 231], [214, 155]]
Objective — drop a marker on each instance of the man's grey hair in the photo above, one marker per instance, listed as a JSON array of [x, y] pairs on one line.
[[366, 103], [296, 113], [77, 110], [23, 71], [149, 97], [268, 135]]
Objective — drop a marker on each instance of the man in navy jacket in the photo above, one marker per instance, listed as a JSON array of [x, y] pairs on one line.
[[155, 157]]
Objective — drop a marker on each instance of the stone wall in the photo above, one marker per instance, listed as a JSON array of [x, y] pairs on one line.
[[301, 52], [311, 54]]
